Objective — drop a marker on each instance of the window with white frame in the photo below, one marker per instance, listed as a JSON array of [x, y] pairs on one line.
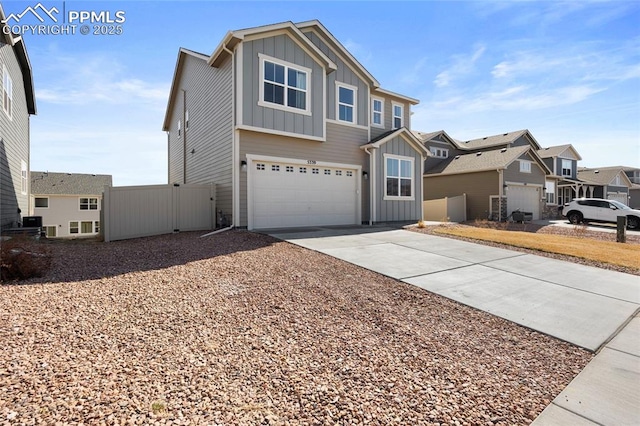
[[84, 227], [398, 115], [617, 181], [186, 120], [550, 190], [346, 96], [51, 231], [179, 128], [567, 168], [438, 152], [24, 177], [284, 85], [377, 112], [74, 227], [41, 202], [525, 166], [398, 173], [7, 92], [88, 204]]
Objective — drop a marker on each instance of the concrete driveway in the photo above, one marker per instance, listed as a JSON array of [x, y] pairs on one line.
[[589, 307]]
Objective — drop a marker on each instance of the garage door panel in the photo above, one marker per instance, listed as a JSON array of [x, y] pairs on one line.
[[289, 195], [524, 198]]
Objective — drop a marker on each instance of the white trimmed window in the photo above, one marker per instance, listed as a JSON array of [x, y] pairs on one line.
[[439, 152], [377, 112], [525, 166], [617, 181], [284, 85], [7, 92], [179, 128], [24, 177], [186, 120], [84, 227], [88, 204], [41, 202], [74, 227], [567, 168], [398, 115], [51, 231], [550, 190], [346, 107], [398, 173]]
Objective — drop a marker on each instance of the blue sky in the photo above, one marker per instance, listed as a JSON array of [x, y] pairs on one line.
[[567, 71]]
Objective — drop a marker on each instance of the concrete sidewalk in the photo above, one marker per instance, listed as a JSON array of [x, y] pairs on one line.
[[582, 305]]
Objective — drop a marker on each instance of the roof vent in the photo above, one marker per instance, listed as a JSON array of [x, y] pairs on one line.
[[505, 134], [478, 154], [503, 150], [485, 138], [456, 157], [597, 171]]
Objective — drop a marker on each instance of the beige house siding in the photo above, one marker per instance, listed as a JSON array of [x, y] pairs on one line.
[[14, 144], [479, 187], [209, 136], [513, 174], [342, 146], [64, 209]]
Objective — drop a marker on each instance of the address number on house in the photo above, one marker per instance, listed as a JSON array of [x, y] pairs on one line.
[[311, 161]]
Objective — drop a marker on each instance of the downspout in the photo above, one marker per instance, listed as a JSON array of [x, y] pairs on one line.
[[500, 193], [184, 137], [372, 185]]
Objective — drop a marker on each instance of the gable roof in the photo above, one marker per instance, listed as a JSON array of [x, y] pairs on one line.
[[479, 161], [504, 139], [557, 151], [20, 50], [430, 136], [404, 133], [232, 38], [48, 183], [602, 175]]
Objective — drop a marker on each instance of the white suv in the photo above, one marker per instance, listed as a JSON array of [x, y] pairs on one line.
[[599, 210]]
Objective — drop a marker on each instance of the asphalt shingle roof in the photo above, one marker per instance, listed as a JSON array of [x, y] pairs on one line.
[[475, 162], [48, 183], [489, 141], [552, 151], [599, 176]]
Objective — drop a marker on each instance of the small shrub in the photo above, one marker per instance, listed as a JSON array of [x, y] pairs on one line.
[[22, 258], [580, 229], [158, 407], [421, 224]]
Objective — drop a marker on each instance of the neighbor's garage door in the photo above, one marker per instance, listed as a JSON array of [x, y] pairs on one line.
[[524, 198], [621, 197], [292, 195]]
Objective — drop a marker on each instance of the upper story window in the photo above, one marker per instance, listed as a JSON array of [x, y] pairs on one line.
[[284, 85], [398, 115], [567, 168], [399, 177], [179, 128], [346, 103], [525, 166], [186, 120], [88, 204], [377, 112], [24, 177], [7, 92], [439, 152], [617, 181], [41, 202]]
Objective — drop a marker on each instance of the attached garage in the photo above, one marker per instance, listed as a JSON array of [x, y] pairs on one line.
[[285, 193], [525, 198], [618, 196]]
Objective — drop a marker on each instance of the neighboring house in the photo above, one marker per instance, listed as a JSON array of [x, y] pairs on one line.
[[499, 174], [610, 183], [293, 131], [633, 174], [69, 203], [17, 103], [562, 160]]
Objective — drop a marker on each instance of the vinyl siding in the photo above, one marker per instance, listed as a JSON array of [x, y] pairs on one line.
[[432, 162], [344, 74], [513, 173], [210, 133], [574, 167], [478, 187], [284, 48], [342, 146], [398, 210], [65, 208], [14, 144], [388, 115]]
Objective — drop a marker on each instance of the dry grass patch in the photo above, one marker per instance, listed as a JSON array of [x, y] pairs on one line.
[[626, 255]]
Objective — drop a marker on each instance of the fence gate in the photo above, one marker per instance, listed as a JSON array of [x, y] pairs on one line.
[[142, 211]]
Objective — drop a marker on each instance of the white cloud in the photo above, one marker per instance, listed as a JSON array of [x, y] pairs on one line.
[[461, 65]]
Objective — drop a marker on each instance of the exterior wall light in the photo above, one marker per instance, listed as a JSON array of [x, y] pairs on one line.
[[243, 166], [365, 175]]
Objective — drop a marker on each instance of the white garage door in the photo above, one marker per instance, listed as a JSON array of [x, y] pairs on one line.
[[618, 197], [524, 198], [292, 195]]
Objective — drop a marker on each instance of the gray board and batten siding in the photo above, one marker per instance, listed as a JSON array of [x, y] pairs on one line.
[[513, 174], [281, 47], [398, 210], [208, 93]]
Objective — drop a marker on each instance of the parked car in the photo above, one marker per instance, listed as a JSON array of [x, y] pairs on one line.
[[600, 210]]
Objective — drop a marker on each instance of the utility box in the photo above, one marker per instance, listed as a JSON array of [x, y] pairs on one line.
[[32, 221]]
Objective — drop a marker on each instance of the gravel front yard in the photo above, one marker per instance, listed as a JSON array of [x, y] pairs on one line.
[[239, 328]]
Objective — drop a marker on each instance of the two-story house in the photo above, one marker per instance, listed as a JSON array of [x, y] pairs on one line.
[[293, 131], [611, 183], [563, 185], [499, 174], [17, 103], [69, 203], [633, 173]]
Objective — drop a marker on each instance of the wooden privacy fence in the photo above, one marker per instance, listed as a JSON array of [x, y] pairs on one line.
[[142, 211], [448, 209]]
